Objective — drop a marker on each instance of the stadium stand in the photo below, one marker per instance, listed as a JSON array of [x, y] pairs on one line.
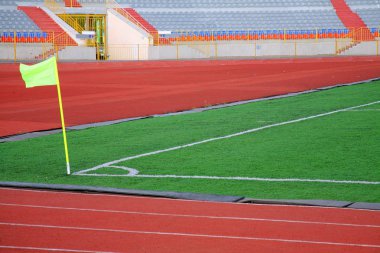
[[352, 20], [171, 22], [222, 3], [226, 20], [5, 3], [15, 24], [72, 3], [177, 15], [47, 24], [13, 19], [227, 14], [368, 10]]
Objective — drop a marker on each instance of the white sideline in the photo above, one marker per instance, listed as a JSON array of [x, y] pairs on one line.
[[241, 178], [108, 164], [190, 235], [52, 249], [193, 216]]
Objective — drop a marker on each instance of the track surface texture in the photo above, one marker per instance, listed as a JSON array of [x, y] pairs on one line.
[[103, 91], [43, 221]]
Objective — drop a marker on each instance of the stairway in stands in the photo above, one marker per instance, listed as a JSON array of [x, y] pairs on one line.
[[47, 24], [145, 25], [72, 3], [352, 21]]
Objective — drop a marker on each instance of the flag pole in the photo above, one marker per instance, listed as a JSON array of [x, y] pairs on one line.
[[62, 120]]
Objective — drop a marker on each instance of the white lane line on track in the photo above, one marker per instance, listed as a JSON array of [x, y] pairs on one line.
[[84, 172], [194, 216], [52, 249], [190, 235]]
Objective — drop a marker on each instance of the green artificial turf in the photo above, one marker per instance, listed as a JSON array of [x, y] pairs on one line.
[[342, 146]]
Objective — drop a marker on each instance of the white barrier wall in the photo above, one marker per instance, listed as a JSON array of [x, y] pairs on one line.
[[32, 51], [269, 48], [364, 48], [22, 51], [326, 47], [123, 32], [77, 53], [207, 50]]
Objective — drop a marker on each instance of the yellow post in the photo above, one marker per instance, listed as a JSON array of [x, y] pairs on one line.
[[377, 48], [255, 50], [336, 47], [97, 51], [62, 121], [316, 34], [216, 50], [177, 51], [53, 43], [295, 48], [56, 51], [14, 47], [138, 52], [284, 35]]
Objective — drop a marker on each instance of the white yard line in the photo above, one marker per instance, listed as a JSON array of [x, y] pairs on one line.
[[189, 235], [134, 172]]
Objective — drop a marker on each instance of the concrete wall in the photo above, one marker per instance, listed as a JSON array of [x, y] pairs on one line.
[[77, 53], [128, 52], [220, 49], [163, 52], [29, 52], [194, 51], [22, 51], [364, 48], [123, 32], [316, 48]]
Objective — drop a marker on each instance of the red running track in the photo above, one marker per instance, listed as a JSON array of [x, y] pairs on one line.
[[43, 221], [102, 91]]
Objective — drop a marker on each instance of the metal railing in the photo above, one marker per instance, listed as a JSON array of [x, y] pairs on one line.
[[119, 9], [36, 51], [355, 34], [238, 49], [59, 9]]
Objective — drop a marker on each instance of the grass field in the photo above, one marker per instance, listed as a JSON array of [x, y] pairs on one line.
[[342, 146]]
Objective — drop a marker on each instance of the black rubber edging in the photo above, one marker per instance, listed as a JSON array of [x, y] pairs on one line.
[[142, 193], [324, 203], [24, 136], [192, 196], [320, 203]]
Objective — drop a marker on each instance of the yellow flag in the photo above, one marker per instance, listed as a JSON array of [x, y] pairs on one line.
[[41, 74]]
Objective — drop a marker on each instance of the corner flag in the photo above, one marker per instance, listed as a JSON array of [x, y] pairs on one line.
[[42, 74]]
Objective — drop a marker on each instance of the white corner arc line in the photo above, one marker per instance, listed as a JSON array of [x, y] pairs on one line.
[[193, 216], [108, 164], [193, 235], [52, 249], [131, 171]]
